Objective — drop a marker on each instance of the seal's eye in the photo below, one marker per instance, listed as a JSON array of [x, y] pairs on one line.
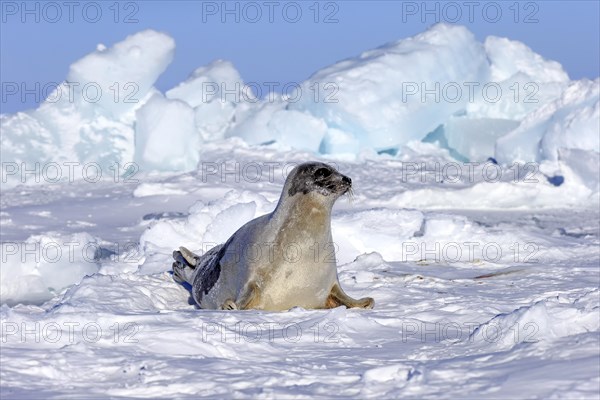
[[322, 173]]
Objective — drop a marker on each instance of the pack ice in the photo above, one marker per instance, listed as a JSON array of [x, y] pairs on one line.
[[485, 285], [494, 99]]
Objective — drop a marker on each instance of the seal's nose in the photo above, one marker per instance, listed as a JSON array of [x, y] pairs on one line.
[[346, 180]]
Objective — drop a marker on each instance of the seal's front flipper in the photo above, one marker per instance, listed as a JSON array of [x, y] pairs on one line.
[[229, 305], [249, 297], [247, 300], [337, 298]]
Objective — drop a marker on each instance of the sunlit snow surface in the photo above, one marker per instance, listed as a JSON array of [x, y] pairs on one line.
[[520, 323], [485, 277]]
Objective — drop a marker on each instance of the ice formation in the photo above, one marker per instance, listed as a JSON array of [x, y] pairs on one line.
[[42, 266], [165, 135], [90, 117], [479, 100]]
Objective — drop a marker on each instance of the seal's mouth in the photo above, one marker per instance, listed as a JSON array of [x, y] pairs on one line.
[[337, 186], [344, 186]]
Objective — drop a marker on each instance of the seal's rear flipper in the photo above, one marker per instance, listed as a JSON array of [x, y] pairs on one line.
[[184, 265], [337, 298], [191, 258], [176, 274]]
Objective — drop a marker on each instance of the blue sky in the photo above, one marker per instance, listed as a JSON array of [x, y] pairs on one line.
[[39, 43]]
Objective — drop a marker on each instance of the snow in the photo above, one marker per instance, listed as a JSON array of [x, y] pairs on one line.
[[529, 302], [485, 272]]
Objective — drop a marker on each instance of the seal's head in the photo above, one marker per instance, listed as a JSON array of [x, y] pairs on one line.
[[317, 178]]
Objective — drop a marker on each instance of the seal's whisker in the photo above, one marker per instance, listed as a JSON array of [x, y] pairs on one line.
[[350, 194]]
